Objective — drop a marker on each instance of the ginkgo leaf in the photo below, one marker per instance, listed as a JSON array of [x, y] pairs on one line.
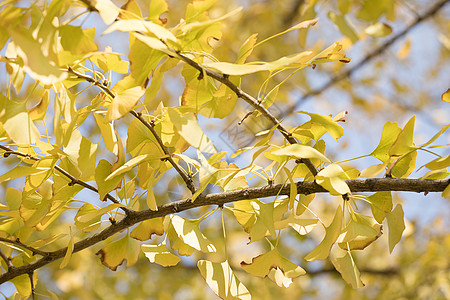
[[129, 165], [244, 214], [107, 131], [301, 225], [160, 255], [222, 280], [88, 216], [374, 170], [135, 25], [18, 172], [176, 243], [404, 142], [388, 137], [189, 232], [332, 233], [188, 127], [378, 30], [344, 27], [102, 171], [246, 49], [359, 233], [330, 180], [396, 224], [38, 111], [381, 204], [124, 102], [76, 40], [107, 9], [243, 69], [404, 166], [115, 253], [331, 126], [16, 122], [262, 264], [92, 223], [439, 163], [69, 251], [147, 228], [156, 8], [301, 151], [346, 266], [446, 96], [36, 63], [264, 223], [443, 129]]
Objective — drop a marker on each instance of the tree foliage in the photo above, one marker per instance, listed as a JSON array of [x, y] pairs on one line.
[[155, 138]]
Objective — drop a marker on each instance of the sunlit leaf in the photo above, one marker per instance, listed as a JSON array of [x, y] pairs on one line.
[[115, 253], [301, 151], [343, 26], [330, 180], [69, 251], [222, 280], [189, 232], [404, 142], [348, 269], [262, 264], [332, 233], [147, 228], [446, 96], [359, 233], [378, 30], [396, 224], [331, 126], [381, 204], [124, 103], [160, 255], [390, 133], [102, 171], [92, 223]]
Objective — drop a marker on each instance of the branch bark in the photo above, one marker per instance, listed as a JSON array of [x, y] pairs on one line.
[[308, 187]]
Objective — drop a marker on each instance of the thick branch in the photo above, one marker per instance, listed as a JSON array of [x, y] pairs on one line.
[[309, 187], [371, 55], [223, 78], [189, 183]]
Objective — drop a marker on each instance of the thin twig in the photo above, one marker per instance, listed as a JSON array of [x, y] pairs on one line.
[[73, 180], [151, 127], [304, 187], [371, 55], [189, 183], [223, 78], [17, 242], [7, 260]]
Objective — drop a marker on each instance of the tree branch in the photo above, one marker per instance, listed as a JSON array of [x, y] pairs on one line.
[[306, 187], [371, 55], [223, 78], [189, 183], [17, 242], [73, 180], [8, 263]]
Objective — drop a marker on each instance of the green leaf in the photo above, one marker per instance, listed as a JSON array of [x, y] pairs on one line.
[[115, 253], [222, 280], [156, 8], [332, 233], [160, 255], [300, 151], [396, 224], [246, 49], [124, 102], [346, 266], [343, 26], [262, 264], [76, 40], [381, 204], [329, 178]]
